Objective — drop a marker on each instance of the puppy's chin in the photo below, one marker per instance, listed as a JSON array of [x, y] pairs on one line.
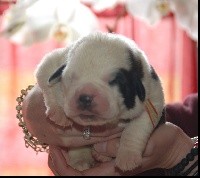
[[92, 120]]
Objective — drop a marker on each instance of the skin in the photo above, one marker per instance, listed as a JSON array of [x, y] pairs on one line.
[[166, 147], [159, 153]]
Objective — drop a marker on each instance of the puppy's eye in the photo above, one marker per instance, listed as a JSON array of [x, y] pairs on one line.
[[118, 78]]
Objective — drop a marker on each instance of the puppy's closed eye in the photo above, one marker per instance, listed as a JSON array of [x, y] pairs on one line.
[[123, 80], [118, 78], [56, 76], [129, 86]]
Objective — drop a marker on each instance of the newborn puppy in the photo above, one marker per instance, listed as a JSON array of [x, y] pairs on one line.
[[103, 79]]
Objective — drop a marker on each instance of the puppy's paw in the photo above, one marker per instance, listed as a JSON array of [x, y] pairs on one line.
[[127, 160], [99, 157], [57, 115], [81, 165], [80, 158]]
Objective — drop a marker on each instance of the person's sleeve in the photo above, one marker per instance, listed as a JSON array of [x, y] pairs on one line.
[[185, 115]]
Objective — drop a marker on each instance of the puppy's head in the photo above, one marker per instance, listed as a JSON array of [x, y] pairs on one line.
[[102, 80]]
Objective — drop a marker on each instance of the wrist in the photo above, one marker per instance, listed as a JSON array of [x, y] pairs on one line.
[[188, 166], [178, 149], [183, 146]]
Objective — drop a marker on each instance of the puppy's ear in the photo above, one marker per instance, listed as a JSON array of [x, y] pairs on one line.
[[137, 74], [56, 76], [140, 90]]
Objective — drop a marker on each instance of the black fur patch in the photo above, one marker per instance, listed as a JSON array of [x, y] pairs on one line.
[[129, 82], [126, 87], [154, 74], [57, 74]]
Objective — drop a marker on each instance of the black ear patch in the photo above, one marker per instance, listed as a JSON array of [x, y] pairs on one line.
[[140, 90], [154, 74], [56, 76], [129, 81]]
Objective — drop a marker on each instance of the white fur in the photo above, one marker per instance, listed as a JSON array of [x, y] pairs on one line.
[[91, 63]]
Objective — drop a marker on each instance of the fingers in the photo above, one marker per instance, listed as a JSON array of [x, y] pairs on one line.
[[108, 148], [76, 141], [51, 166], [94, 131], [58, 165]]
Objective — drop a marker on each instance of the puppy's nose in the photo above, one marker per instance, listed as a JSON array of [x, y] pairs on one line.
[[85, 101]]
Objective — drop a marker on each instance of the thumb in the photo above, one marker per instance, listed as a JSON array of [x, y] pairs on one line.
[[148, 156], [149, 149]]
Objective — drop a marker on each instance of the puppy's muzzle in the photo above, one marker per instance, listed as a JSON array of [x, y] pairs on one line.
[[89, 103]]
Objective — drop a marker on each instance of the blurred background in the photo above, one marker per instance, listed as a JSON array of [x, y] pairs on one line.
[[167, 30]]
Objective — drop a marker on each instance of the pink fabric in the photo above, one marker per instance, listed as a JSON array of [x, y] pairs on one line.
[[185, 114], [3, 7]]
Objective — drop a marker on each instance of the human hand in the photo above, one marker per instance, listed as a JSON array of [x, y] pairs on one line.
[[166, 147]]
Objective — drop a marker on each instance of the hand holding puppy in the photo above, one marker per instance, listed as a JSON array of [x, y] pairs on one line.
[[158, 154]]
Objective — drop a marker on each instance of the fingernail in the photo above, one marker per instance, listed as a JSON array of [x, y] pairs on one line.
[[101, 147]]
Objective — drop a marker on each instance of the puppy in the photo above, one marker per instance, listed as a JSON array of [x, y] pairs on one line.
[[103, 78]]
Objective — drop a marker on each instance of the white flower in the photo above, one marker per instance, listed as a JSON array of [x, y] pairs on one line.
[[151, 11], [27, 23], [186, 13]]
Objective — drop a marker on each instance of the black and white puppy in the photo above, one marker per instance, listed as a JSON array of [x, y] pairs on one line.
[[104, 78]]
